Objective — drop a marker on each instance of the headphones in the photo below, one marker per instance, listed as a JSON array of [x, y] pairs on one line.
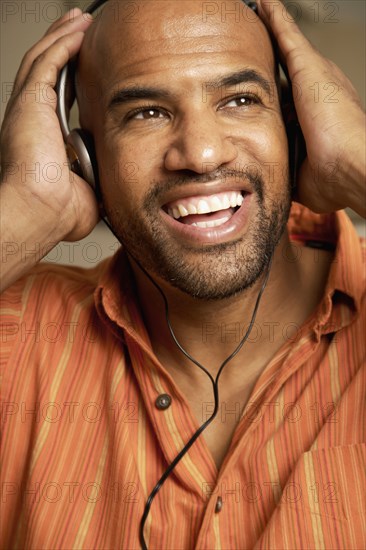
[[79, 143]]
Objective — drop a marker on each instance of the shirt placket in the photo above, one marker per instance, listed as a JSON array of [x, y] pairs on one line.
[[174, 424], [213, 533]]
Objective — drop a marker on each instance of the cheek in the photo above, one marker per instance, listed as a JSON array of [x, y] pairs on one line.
[[265, 152], [123, 175], [128, 168]]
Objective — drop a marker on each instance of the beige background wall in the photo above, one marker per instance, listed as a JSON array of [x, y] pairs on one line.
[[337, 29]]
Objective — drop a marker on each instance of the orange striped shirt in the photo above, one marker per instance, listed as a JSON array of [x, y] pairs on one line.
[[84, 443]]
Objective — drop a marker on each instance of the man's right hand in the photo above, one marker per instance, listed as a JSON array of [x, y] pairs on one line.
[[42, 201]]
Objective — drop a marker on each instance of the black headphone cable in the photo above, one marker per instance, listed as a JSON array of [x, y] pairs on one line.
[[189, 444]]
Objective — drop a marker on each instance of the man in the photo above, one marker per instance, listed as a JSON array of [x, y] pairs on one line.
[[98, 398]]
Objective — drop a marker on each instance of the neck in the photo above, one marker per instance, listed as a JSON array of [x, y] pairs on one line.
[[211, 330]]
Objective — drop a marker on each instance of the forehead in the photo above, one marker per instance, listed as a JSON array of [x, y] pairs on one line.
[[188, 38]]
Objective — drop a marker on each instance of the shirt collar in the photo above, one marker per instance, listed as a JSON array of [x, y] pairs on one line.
[[117, 302], [344, 289]]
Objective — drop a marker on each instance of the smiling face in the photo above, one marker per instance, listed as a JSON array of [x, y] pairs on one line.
[[190, 141]]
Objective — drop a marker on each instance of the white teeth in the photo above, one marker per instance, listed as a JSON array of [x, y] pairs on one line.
[[207, 205], [226, 202], [182, 211], [203, 208], [215, 204], [191, 209], [233, 200], [211, 223], [176, 213]]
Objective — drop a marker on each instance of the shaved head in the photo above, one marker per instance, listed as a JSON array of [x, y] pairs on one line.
[[125, 36], [181, 99]]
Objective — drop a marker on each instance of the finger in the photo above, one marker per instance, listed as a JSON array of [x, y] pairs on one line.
[[68, 16], [293, 45], [80, 23], [39, 85]]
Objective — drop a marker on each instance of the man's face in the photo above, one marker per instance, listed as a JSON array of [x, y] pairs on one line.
[[190, 141]]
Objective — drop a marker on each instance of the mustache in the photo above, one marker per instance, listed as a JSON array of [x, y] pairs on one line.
[[160, 188]]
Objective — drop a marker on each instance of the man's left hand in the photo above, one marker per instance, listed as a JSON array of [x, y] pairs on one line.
[[331, 117]]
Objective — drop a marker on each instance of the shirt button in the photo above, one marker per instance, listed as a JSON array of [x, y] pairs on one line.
[[163, 401], [218, 506]]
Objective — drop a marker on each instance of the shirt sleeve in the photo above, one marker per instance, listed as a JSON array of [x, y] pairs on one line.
[[12, 305]]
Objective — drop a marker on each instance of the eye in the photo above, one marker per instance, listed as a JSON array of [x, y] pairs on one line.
[[146, 113], [242, 101]]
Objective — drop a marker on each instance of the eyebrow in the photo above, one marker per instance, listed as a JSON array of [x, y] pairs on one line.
[[242, 77], [131, 93]]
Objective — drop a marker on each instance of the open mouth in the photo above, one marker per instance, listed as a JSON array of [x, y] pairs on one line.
[[206, 211]]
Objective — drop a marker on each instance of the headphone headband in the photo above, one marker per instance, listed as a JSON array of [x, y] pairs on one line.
[[94, 6], [62, 82]]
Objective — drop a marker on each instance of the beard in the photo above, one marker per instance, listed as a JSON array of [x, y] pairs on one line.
[[214, 272]]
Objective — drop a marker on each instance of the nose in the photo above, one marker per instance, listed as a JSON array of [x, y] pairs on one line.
[[200, 144]]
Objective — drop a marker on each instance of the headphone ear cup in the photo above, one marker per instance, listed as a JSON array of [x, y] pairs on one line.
[[297, 152], [296, 142], [80, 152], [292, 139]]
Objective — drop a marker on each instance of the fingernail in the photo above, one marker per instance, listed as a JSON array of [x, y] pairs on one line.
[[73, 11], [73, 14], [82, 17]]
